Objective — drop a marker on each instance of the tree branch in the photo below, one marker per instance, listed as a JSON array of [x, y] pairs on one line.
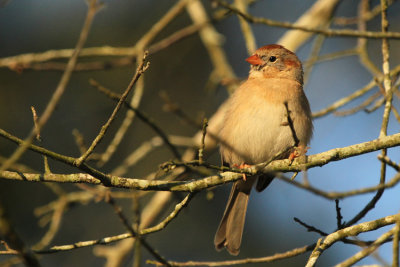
[[326, 32], [97, 177]]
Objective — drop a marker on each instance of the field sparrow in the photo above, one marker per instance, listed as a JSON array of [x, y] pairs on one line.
[[256, 128]]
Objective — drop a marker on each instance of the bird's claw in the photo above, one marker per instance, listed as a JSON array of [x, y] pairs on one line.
[[242, 166], [297, 152]]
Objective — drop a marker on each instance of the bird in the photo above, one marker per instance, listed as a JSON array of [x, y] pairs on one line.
[[266, 115]]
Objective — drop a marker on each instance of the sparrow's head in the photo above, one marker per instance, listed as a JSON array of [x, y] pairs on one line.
[[275, 61]]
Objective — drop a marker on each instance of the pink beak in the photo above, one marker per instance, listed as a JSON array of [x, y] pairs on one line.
[[255, 60]]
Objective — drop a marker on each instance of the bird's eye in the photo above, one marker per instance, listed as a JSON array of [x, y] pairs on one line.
[[272, 58]]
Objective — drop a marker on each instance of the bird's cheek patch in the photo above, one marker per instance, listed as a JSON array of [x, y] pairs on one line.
[[291, 63]]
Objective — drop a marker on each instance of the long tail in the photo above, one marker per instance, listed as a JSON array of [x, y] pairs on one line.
[[230, 230]]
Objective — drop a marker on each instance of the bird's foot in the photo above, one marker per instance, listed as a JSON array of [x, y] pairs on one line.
[[242, 166], [297, 152]]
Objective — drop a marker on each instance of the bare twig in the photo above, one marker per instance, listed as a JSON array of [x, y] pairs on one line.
[[367, 251], [339, 216], [202, 146], [349, 231], [341, 102], [362, 106], [291, 125], [148, 146], [135, 101], [396, 237], [107, 240], [35, 122], [211, 40], [318, 15], [385, 120], [38, 61], [278, 256], [139, 71], [14, 241], [309, 227], [247, 33], [79, 140], [375, 11], [145, 118], [92, 10], [313, 58], [133, 233], [55, 223], [362, 42], [386, 72], [339, 195], [326, 32], [388, 161]]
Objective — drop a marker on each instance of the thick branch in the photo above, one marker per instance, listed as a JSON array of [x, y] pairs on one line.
[[349, 231], [192, 186]]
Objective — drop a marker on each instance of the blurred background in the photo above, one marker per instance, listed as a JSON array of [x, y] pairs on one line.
[[182, 71]]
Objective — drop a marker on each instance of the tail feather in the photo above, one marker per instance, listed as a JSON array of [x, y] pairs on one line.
[[230, 230]]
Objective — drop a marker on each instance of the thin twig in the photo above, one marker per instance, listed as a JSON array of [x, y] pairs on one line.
[[92, 10], [341, 102], [339, 216], [35, 122], [339, 195], [331, 56], [212, 41], [174, 108], [291, 126], [139, 71], [79, 140], [385, 120], [133, 233], [107, 240], [349, 231], [378, 103], [309, 227], [367, 251], [148, 146], [326, 32], [313, 58], [137, 253], [396, 237], [388, 161], [277, 256], [365, 60], [144, 42], [38, 61], [55, 223], [247, 33], [202, 146], [141, 115], [13, 240], [386, 72], [362, 106], [375, 11]]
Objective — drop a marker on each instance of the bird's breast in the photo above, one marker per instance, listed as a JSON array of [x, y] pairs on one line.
[[255, 127]]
